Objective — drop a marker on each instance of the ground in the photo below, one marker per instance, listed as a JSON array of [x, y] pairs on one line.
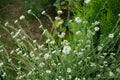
[[14, 11]]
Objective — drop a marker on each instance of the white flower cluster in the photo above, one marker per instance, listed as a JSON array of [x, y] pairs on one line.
[[43, 12], [46, 56], [16, 21], [17, 33], [62, 35], [65, 42], [111, 74], [59, 12], [48, 71], [57, 18], [29, 11], [66, 49], [78, 20], [87, 1], [7, 23], [96, 28], [40, 26], [22, 17], [119, 15], [78, 32], [69, 70], [96, 23], [1, 64], [111, 36]]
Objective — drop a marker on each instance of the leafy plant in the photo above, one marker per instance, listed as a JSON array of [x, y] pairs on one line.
[[64, 56]]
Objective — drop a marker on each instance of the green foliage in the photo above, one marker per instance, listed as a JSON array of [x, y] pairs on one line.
[[104, 11], [63, 55]]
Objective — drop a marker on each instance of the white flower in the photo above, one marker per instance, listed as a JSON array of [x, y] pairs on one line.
[[118, 70], [83, 78], [19, 52], [60, 22], [1, 50], [29, 73], [29, 11], [40, 26], [17, 33], [16, 21], [34, 41], [93, 65], [98, 75], [105, 62], [78, 32], [23, 37], [53, 51], [52, 42], [70, 77], [62, 35], [22, 17], [87, 46], [41, 64], [11, 52], [96, 28], [78, 20], [62, 79], [113, 54], [4, 74], [46, 56], [70, 21], [85, 22], [111, 36], [7, 23], [35, 49], [69, 70], [24, 54], [119, 34], [104, 54], [83, 49], [1, 64], [119, 15], [86, 1], [32, 54], [44, 32], [80, 53], [99, 48], [43, 12], [77, 78], [65, 42], [59, 77], [111, 74], [48, 71], [40, 46], [66, 49], [12, 33], [57, 18], [59, 12], [96, 23], [53, 64], [48, 40]]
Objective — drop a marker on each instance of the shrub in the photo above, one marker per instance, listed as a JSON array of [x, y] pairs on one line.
[[66, 56]]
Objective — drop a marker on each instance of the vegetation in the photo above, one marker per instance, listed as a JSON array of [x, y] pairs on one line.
[[84, 45]]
